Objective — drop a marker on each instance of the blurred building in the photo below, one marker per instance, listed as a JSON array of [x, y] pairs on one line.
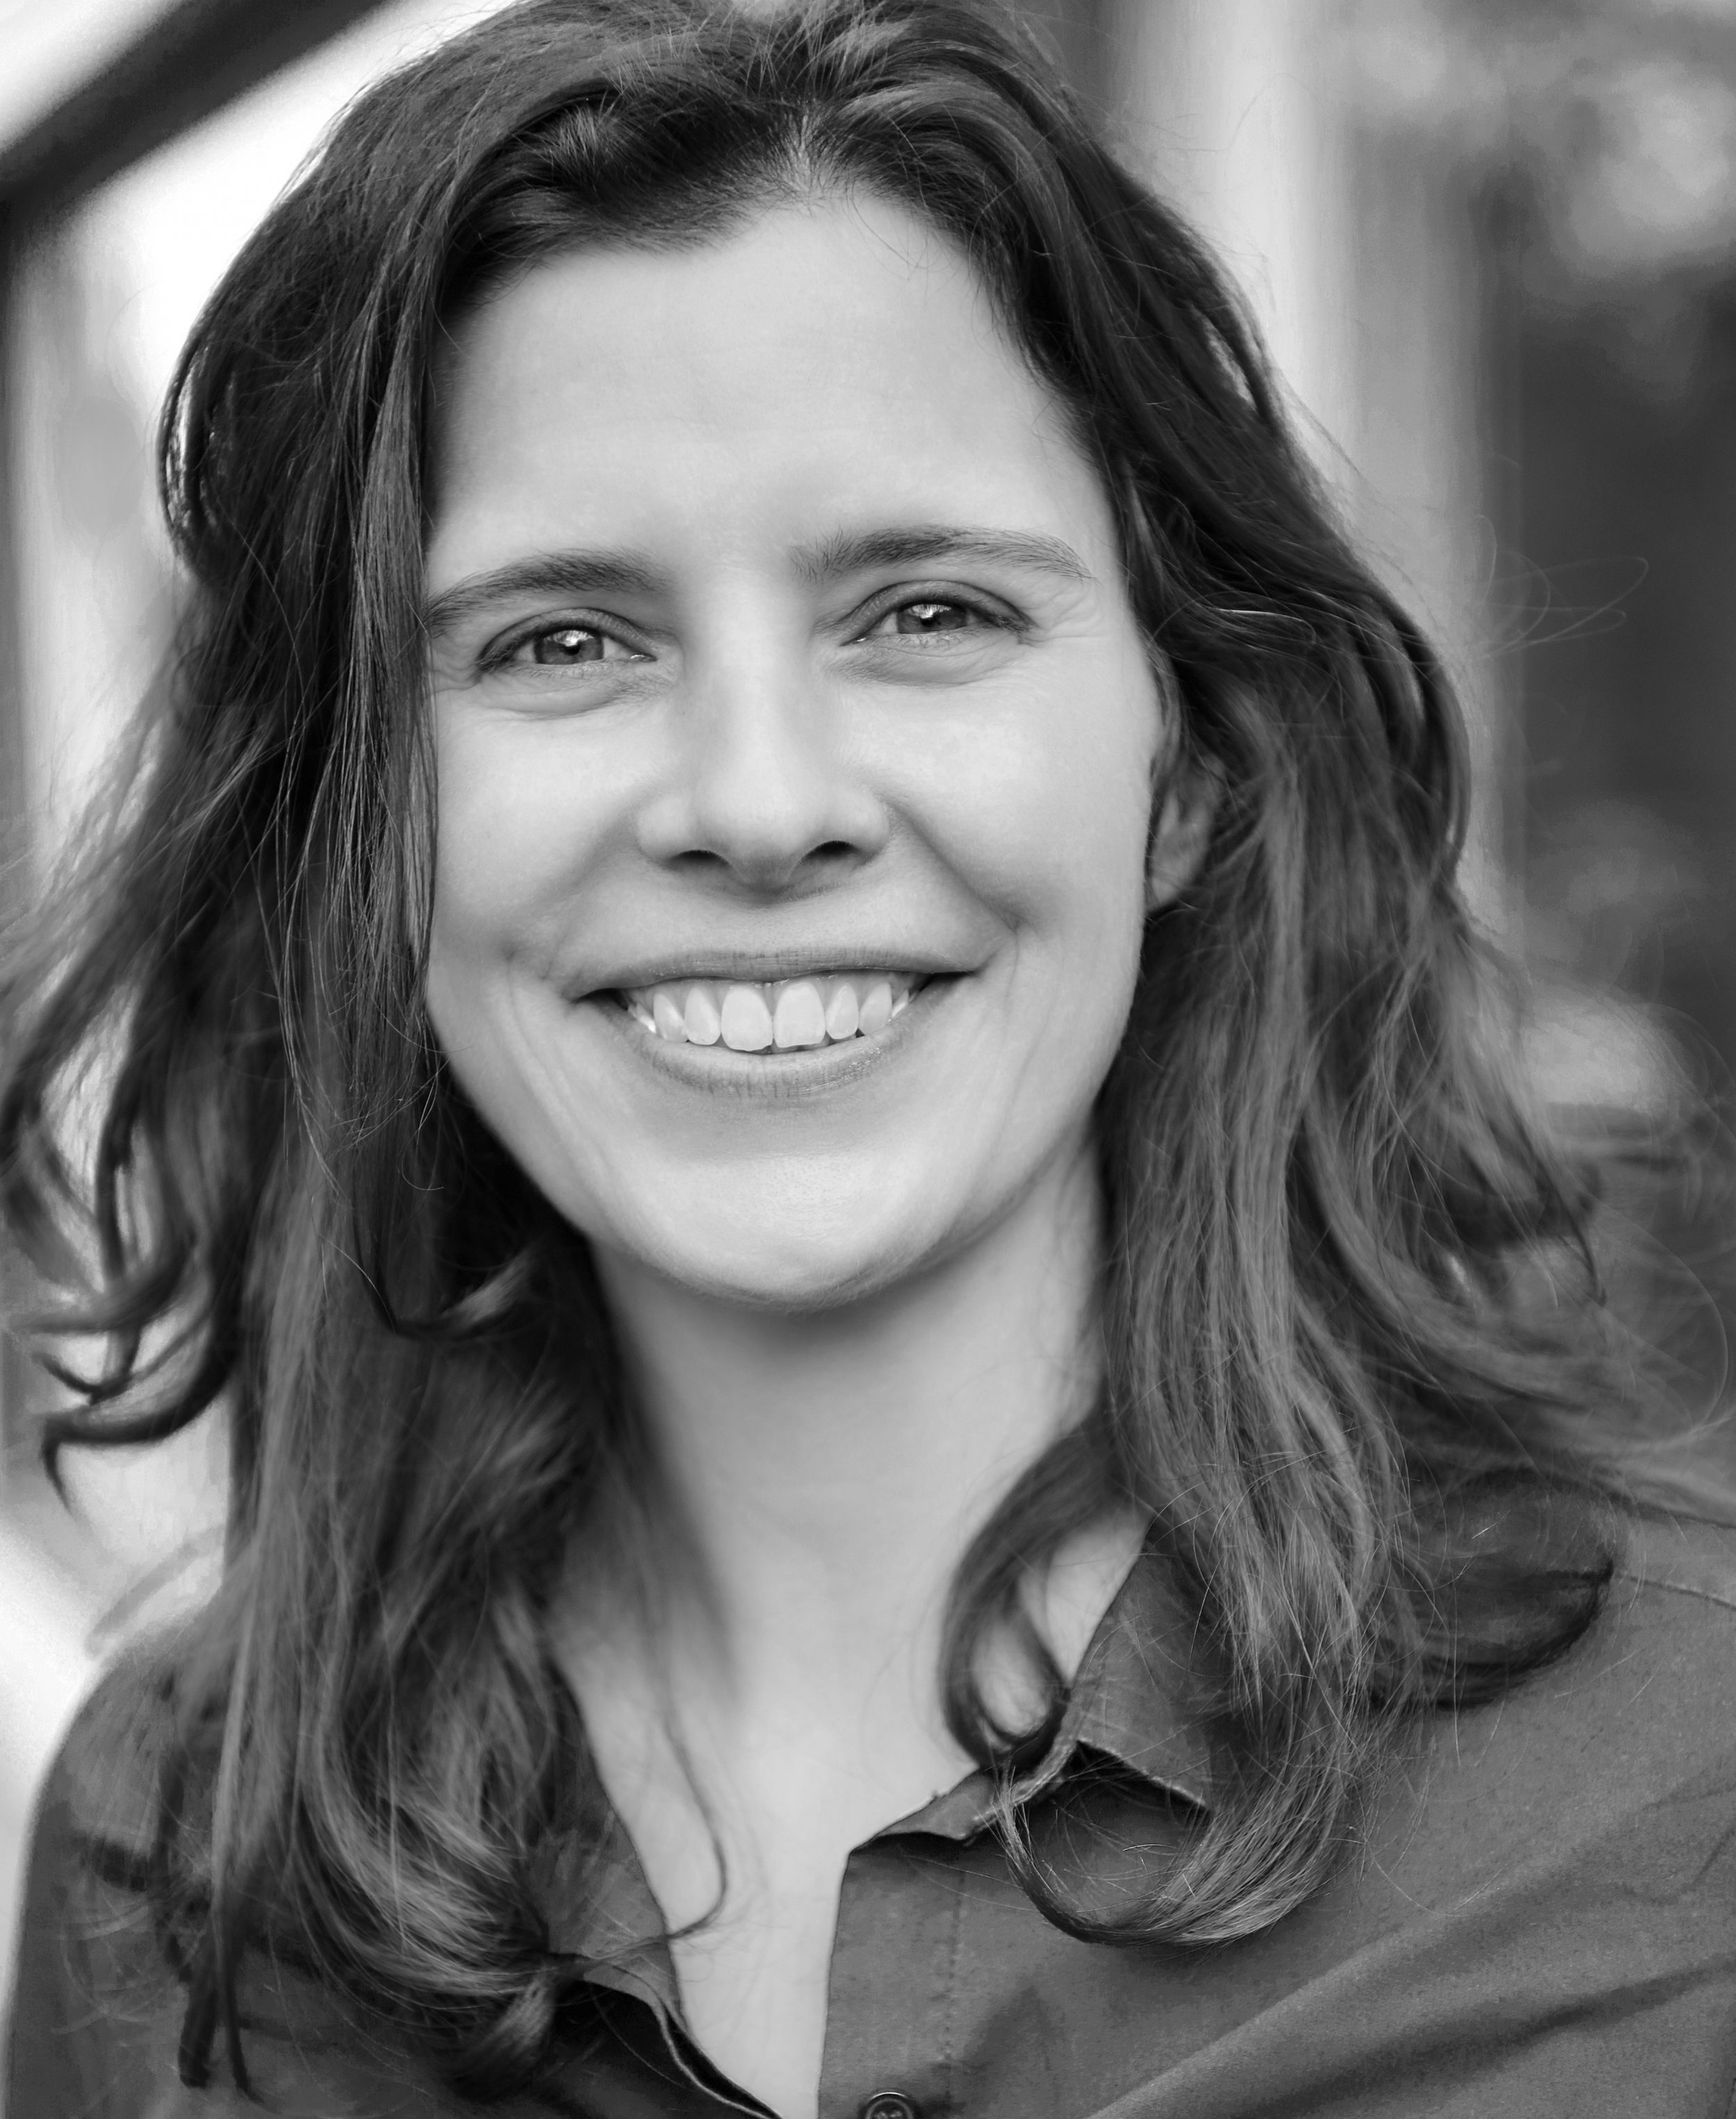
[[1492, 246]]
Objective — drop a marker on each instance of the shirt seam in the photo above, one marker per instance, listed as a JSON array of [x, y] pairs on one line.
[[1726, 1599], [949, 2030]]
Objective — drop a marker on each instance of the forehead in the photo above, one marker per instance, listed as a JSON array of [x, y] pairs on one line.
[[824, 360]]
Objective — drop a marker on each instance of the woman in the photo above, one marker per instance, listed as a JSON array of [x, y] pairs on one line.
[[781, 1009]]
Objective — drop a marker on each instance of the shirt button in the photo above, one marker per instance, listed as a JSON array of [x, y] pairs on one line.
[[889, 2104]]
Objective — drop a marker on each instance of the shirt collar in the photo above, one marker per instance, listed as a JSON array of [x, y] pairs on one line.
[[1128, 1699], [1126, 1703]]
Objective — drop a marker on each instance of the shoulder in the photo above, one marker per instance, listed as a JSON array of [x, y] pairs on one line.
[[105, 1779], [1654, 1676], [1673, 1555], [96, 1814], [1622, 1752], [1647, 1695], [97, 2010], [1588, 1815], [91, 1994], [1665, 1648]]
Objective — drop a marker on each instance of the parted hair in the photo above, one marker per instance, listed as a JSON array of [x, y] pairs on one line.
[[1355, 1358]]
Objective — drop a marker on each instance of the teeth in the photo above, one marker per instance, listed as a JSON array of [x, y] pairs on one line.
[[747, 1021], [704, 1025], [791, 1014], [876, 1008], [801, 1016], [841, 1014]]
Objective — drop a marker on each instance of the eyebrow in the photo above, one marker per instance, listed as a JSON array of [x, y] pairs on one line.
[[588, 573], [852, 551]]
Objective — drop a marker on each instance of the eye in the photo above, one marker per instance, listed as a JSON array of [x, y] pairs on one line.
[[566, 647], [925, 618]]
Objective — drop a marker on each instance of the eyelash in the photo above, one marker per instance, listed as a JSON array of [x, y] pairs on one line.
[[504, 655], [1001, 620]]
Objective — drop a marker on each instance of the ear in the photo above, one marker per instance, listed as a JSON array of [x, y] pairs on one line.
[[1182, 832]]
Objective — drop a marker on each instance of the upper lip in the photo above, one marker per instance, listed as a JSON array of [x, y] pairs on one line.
[[764, 966]]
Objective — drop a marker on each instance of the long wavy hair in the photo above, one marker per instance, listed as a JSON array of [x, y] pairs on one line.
[[1353, 1334]]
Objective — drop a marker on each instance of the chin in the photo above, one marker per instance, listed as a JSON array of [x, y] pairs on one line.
[[829, 1261]]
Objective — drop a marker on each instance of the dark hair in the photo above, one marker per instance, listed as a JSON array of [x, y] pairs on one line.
[[1332, 1380]]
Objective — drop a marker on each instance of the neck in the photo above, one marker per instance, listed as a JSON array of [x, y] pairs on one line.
[[821, 1476]]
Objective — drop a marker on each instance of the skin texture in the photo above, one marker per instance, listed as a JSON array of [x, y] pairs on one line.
[[855, 1286]]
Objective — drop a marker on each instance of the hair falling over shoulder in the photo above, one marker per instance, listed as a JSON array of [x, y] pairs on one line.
[[1367, 1445]]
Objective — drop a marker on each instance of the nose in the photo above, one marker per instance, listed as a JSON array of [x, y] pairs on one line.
[[764, 790]]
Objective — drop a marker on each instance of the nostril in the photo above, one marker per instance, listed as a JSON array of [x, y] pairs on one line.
[[765, 870]]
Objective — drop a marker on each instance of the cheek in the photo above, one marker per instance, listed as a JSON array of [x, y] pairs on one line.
[[502, 872], [514, 829], [481, 891], [507, 845], [1046, 810], [479, 844]]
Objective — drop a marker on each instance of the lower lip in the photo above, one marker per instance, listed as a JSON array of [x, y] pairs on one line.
[[801, 1071]]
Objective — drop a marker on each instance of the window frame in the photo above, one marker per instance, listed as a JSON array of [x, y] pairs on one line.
[[181, 69]]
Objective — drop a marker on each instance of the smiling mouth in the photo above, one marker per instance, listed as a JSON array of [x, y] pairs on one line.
[[780, 1015]]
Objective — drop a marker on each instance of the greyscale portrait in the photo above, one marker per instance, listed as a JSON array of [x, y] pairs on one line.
[[865, 994]]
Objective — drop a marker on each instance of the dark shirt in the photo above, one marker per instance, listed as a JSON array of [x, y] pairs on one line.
[[1539, 1919]]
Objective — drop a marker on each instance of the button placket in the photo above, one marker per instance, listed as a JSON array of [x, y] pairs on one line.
[[889, 1997]]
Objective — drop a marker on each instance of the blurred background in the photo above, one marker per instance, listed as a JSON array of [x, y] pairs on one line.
[[1492, 246]]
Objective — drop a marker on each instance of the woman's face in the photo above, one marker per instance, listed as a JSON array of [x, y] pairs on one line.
[[796, 749]]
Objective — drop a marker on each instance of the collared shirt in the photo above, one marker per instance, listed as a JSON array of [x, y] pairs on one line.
[[1539, 1920]]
